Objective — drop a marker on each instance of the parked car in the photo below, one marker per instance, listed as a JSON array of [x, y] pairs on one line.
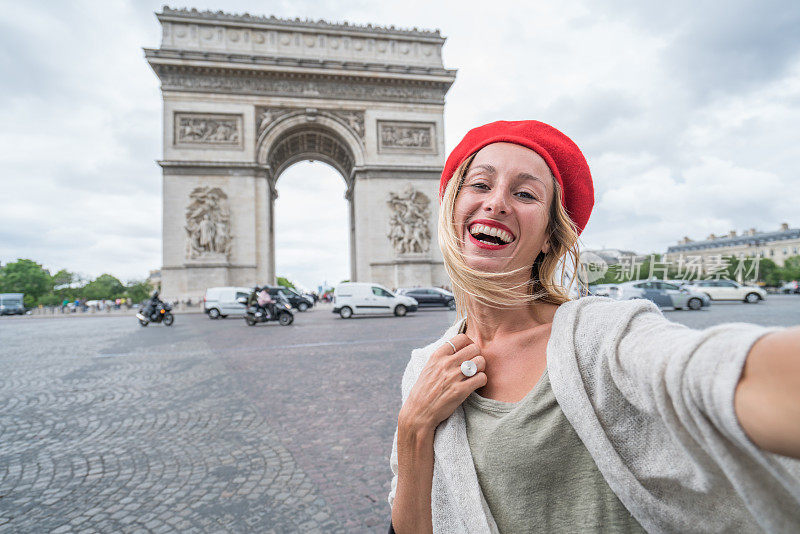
[[223, 301], [296, 300], [601, 290], [790, 287], [728, 290], [430, 296], [12, 304], [663, 294], [356, 298]]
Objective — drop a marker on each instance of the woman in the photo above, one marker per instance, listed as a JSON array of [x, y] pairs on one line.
[[537, 413]]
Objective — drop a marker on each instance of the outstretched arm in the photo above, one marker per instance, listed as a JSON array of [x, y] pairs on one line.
[[767, 399]]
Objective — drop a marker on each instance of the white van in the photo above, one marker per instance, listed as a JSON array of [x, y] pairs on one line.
[[360, 298], [222, 301]]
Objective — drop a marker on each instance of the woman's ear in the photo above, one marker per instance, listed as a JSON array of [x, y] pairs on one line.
[[546, 247]]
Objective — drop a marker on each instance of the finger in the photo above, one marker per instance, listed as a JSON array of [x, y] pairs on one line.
[[474, 382], [457, 375], [467, 353], [480, 363], [460, 341]]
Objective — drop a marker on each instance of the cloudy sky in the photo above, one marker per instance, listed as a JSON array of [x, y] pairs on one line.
[[687, 112]]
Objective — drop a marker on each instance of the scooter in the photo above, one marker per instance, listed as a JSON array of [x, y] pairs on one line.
[[280, 310], [160, 314]]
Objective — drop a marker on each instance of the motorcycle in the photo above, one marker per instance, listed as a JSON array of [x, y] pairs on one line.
[[159, 314], [280, 310]]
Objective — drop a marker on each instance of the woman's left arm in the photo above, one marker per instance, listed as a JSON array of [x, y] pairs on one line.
[[767, 399]]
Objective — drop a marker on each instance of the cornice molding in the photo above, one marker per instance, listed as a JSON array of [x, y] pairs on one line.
[[217, 168], [227, 60], [368, 29], [301, 85]]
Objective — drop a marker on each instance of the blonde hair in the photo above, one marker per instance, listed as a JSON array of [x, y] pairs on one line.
[[493, 289]]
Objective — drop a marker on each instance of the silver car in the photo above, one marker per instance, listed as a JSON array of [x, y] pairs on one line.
[[662, 293]]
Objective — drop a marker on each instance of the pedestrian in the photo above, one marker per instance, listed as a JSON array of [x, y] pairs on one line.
[[538, 413]]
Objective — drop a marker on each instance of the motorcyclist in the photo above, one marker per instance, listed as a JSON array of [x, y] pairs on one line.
[[264, 302], [152, 304]]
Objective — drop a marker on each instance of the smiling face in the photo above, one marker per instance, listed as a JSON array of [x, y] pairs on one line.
[[502, 210]]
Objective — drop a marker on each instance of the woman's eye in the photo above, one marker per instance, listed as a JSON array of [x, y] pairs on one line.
[[526, 195], [480, 185]]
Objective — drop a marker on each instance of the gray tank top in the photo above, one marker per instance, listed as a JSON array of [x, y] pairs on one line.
[[535, 472]]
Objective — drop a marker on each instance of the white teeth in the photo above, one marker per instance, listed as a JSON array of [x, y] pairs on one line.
[[504, 236]]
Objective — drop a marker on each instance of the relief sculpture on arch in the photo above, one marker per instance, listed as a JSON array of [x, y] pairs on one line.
[[208, 228]]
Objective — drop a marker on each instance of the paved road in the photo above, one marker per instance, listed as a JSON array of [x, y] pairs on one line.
[[212, 426]]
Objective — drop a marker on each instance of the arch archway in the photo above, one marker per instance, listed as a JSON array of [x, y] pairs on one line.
[[301, 136]]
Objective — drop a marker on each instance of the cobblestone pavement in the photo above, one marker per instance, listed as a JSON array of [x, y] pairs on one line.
[[213, 426]]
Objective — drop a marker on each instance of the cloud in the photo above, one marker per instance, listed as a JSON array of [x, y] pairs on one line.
[[686, 112]]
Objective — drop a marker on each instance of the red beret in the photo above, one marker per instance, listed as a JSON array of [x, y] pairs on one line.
[[563, 157]]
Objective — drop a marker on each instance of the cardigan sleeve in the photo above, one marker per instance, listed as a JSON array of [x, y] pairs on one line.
[[409, 378], [652, 400]]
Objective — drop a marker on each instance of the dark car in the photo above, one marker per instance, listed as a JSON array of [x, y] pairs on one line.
[[297, 301], [790, 287], [430, 296]]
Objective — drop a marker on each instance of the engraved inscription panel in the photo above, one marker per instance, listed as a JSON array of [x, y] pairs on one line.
[[408, 137], [210, 130]]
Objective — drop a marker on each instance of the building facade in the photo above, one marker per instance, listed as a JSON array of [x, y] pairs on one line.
[[776, 246], [246, 97]]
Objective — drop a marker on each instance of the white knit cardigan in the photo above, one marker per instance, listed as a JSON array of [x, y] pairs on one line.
[[652, 401]]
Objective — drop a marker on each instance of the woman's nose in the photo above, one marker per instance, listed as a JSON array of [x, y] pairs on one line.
[[496, 202]]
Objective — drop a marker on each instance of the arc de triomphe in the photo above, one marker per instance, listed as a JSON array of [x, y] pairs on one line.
[[246, 97]]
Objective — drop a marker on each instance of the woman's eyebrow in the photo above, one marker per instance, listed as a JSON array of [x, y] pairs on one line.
[[484, 167], [526, 176]]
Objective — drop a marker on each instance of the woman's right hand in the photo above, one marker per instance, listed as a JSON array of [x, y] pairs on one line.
[[441, 387]]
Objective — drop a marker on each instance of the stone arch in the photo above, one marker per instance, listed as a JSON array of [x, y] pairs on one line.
[[247, 96], [303, 135]]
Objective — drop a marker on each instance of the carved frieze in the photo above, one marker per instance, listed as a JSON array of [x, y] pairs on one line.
[[409, 230], [410, 137], [176, 78], [266, 116], [214, 32], [212, 130], [354, 119], [208, 226]]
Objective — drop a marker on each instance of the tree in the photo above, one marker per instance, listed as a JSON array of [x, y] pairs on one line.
[[284, 282], [769, 272], [25, 276], [791, 269], [62, 278], [138, 291], [104, 286]]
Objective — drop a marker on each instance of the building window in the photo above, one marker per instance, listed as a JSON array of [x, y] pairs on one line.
[[785, 250], [772, 252], [794, 250]]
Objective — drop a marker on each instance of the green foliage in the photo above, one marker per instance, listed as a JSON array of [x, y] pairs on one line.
[[791, 268], [63, 278], [284, 282], [51, 299], [104, 286], [25, 276], [138, 291]]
